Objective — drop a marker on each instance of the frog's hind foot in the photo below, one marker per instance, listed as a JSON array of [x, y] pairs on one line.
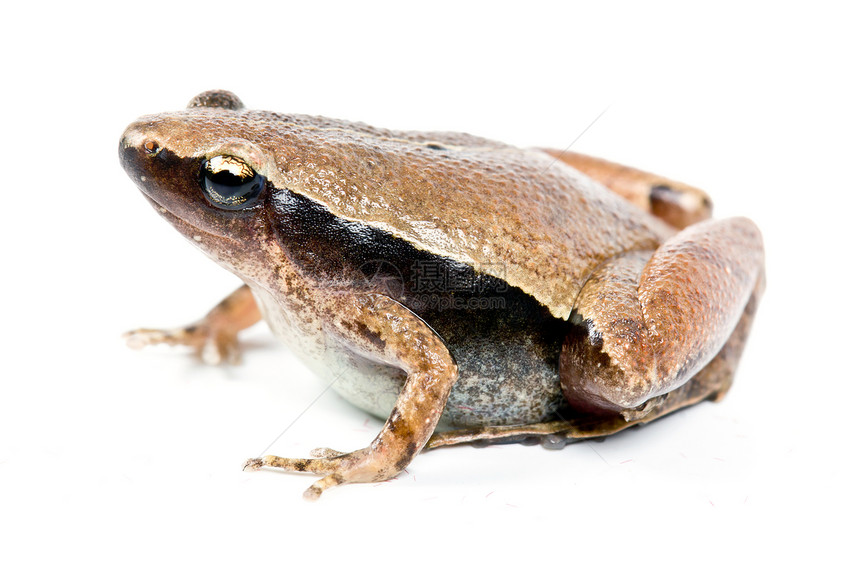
[[678, 204], [552, 435], [556, 434]]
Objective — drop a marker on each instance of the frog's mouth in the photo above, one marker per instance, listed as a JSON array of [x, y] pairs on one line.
[[189, 231]]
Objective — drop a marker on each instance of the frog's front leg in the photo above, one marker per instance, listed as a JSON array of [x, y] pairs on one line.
[[648, 322], [676, 203], [381, 329], [214, 337]]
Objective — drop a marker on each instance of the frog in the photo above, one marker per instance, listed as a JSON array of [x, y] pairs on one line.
[[463, 290]]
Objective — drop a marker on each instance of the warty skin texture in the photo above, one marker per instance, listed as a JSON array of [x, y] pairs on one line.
[[602, 301]]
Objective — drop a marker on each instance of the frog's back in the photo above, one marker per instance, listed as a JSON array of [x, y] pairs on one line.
[[524, 217], [517, 213]]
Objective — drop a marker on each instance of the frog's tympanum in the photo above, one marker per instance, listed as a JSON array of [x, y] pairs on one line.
[[442, 280]]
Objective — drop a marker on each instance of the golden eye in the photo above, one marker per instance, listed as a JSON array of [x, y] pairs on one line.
[[150, 146], [230, 183]]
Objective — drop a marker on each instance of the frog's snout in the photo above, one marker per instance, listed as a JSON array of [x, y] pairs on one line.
[[138, 145], [137, 136]]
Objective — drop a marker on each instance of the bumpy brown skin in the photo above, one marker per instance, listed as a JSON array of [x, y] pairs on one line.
[[652, 320], [677, 203], [473, 200], [658, 319]]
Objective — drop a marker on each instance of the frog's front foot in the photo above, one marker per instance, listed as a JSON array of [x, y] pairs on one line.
[[211, 345], [360, 466], [384, 329], [214, 338]]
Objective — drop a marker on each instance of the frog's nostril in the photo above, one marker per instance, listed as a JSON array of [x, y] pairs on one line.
[[139, 135]]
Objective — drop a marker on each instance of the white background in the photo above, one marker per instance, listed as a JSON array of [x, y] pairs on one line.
[[118, 460]]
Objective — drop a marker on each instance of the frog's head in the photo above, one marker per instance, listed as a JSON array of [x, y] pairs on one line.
[[204, 173]]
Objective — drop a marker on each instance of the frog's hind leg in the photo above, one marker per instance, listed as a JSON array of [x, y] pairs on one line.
[[676, 203], [655, 332], [720, 372], [214, 337], [647, 323], [712, 382]]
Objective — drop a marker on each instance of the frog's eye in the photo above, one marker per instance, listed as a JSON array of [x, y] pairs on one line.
[[230, 183]]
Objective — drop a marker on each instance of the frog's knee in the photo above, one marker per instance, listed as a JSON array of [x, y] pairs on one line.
[[593, 382]]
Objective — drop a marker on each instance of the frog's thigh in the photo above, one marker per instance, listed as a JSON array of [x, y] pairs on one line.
[[720, 372], [381, 329], [677, 203], [712, 381], [647, 323]]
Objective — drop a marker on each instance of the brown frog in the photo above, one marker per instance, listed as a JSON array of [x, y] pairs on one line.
[[503, 293]]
